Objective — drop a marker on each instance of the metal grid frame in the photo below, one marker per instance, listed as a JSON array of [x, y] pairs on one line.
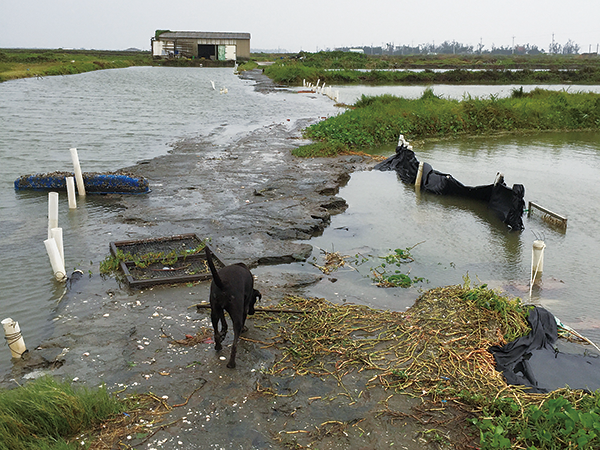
[[187, 269]]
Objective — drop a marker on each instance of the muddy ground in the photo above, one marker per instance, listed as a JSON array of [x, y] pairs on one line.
[[259, 205]]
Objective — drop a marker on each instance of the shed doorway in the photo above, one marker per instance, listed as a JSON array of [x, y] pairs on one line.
[[207, 51]]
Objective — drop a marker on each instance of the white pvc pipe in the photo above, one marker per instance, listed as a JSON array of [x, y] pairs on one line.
[[14, 338], [57, 235], [71, 192], [55, 260], [52, 211], [419, 176], [78, 175], [537, 262], [537, 257]]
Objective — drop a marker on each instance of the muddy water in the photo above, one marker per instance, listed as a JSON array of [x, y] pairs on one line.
[[453, 238], [115, 118], [118, 117]]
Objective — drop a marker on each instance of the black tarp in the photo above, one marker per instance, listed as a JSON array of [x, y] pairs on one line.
[[507, 203], [537, 361]]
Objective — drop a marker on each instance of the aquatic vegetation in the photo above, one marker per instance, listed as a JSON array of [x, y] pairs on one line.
[[389, 273]]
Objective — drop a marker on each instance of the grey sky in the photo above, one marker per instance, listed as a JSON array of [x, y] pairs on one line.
[[301, 25]]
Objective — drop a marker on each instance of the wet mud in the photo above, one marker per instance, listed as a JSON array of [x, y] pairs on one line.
[[258, 205]]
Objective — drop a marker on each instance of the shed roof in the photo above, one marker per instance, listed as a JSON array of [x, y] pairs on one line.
[[203, 35]]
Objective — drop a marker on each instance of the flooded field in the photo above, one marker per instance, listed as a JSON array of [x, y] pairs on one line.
[[119, 117]]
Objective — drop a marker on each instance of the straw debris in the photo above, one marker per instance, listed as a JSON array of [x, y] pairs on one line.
[[141, 421], [436, 347], [333, 261]]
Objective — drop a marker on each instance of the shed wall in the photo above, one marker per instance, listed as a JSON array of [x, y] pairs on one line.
[[233, 48]]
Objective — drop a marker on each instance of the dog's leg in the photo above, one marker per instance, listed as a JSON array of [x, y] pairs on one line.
[[223, 326], [231, 363], [237, 329], [216, 317], [244, 327]]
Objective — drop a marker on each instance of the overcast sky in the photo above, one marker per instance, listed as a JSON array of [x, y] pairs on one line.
[[308, 25]]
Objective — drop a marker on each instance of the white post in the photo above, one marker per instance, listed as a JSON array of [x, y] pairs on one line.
[[78, 175], [537, 257], [71, 192], [55, 260], [419, 176], [57, 235], [52, 211], [12, 333], [537, 262]]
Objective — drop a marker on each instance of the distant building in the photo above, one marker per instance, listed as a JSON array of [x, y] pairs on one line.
[[201, 44]]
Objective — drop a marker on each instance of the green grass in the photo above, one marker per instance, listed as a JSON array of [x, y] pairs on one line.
[[46, 414], [557, 423], [351, 68], [19, 63], [375, 121]]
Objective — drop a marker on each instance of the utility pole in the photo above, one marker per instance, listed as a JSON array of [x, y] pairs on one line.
[[513, 49]]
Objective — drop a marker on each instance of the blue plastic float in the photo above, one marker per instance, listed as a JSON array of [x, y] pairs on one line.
[[95, 183]]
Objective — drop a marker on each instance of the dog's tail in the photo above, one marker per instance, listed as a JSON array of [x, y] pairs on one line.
[[256, 297], [213, 269]]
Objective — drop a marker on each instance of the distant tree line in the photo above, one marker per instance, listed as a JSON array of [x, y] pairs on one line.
[[453, 47]]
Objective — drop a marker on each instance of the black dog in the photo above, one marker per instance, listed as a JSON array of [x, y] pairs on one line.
[[231, 290]]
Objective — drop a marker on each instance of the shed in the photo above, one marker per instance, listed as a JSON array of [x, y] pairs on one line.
[[217, 46]]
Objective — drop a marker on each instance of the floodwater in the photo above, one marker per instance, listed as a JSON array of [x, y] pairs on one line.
[[118, 117], [114, 118], [350, 94], [453, 238]]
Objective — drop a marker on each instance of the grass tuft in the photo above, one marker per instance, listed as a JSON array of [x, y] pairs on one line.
[[45, 414]]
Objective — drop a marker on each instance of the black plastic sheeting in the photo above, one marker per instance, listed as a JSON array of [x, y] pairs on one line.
[[536, 360], [507, 203]]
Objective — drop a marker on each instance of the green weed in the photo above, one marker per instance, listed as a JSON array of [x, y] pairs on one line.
[[375, 121], [389, 273], [45, 414], [555, 424], [112, 263]]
